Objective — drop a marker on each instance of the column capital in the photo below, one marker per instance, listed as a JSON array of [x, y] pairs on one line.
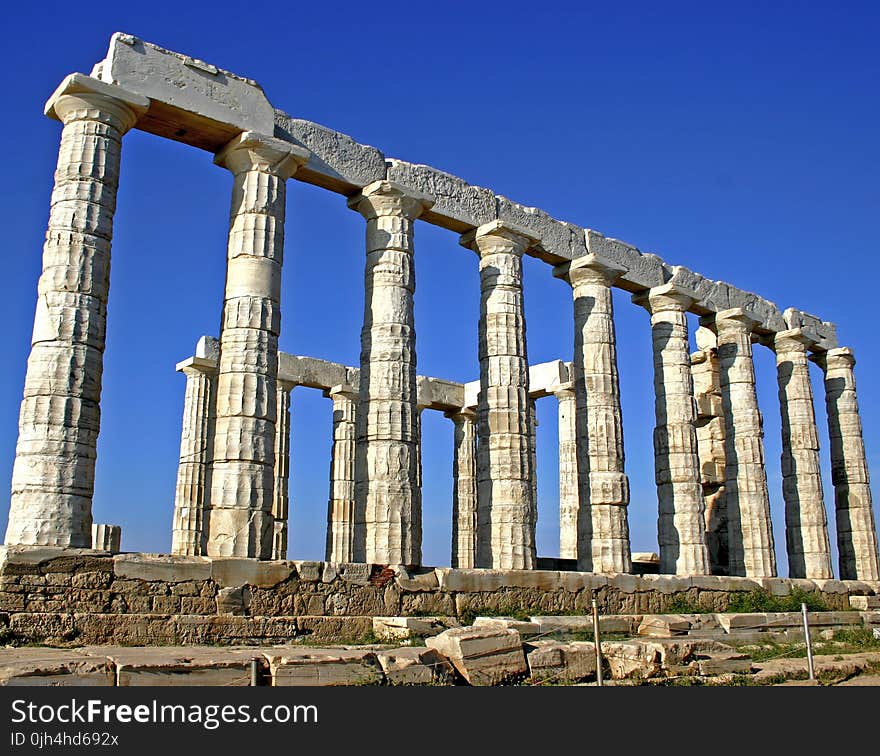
[[390, 198], [342, 390], [668, 297], [498, 236], [563, 390], [461, 415], [792, 340], [733, 319], [83, 98], [251, 151], [195, 365], [835, 359], [590, 268], [285, 385]]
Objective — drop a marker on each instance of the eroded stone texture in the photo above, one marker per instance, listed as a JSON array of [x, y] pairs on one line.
[[106, 537], [196, 440], [568, 472], [388, 526], [243, 468], [806, 529], [750, 535], [54, 472], [505, 521], [280, 494], [856, 535], [603, 531], [340, 510], [680, 525], [464, 490]]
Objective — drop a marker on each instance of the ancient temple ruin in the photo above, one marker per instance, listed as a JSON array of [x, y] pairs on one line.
[[231, 496]]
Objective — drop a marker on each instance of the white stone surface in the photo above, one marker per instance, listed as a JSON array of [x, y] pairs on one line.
[[106, 537], [464, 490], [482, 655], [340, 509]]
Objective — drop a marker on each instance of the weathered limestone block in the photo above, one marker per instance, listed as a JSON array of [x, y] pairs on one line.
[[54, 471], [192, 101], [464, 490], [196, 440], [523, 627], [747, 503], [280, 494], [806, 530], [388, 524], [53, 667], [865, 603], [106, 537], [603, 531], [554, 661], [505, 506], [181, 666], [236, 572], [414, 666], [569, 500], [341, 507], [552, 239], [681, 524], [856, 533], [580, 624], [639, 271], [405, 628], [323, 666], [482, 656], [243, 468], [663, 625]]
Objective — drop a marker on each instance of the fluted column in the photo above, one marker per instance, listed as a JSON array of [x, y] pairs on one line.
[[603, 531], [187, 535], [340, 510], [281, 491], [533, 450], [243, 470], [464, 490], [856, 535], [388, 512], [568, 472], [750, 535], [806, 528], [505, 525], [681, 528], [53, 477]]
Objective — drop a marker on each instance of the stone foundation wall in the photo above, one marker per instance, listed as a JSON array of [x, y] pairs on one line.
[[78, 596]]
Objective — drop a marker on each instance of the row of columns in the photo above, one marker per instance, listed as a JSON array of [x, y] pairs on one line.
[[244, 418]]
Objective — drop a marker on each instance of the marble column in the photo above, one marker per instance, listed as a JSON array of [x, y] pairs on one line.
[[53, 477], [681, 528], [340, 510], [569, 501], [464, 489], [856, 535], [281, 492], [196, 436], [603, 531], [806, 528], [533, 450], [751, 550], [505, 524], [243, 470], [388, 516]]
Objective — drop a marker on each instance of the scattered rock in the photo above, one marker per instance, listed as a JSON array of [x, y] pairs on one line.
[[482, 655]]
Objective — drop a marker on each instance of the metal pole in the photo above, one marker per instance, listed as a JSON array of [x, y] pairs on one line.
[[809, 642], [598, 643], [255, 672]]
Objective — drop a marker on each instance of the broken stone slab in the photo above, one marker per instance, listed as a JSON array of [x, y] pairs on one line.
[[191, 101], [557, 661], [181, 666], [159, 567], [740, 664], [404, 628], [663, 625], [609, 623], [523, 627], [53, 667], [232, 572], [485, 580], [865, 603], [292, 666], [414, 666], [37, 555], [415, 580], [482, 655]]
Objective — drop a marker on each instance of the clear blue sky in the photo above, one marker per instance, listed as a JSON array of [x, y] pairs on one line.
[[739, 140]]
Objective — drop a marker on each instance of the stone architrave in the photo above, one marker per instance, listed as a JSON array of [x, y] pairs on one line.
[[568, 472], [340, 510], [53, 477], [603, 530], [243, 470], [750, 535], [281, 492], [464, 490], [856, 534], [196, 436], [806, 528], [388, 517], [505, 522], [681, 525]]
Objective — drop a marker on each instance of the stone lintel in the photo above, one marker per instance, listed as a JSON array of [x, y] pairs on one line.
[[80, 84], [254, 151]]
